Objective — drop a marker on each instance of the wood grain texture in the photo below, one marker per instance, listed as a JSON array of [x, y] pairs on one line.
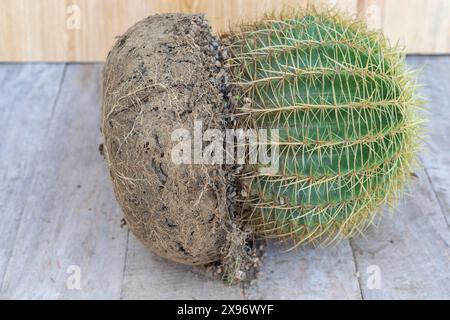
[[411, 249], [28, 94], [69, 216], [84, 30], [307, 273], [435, 77], [148, 276], [57, 209]]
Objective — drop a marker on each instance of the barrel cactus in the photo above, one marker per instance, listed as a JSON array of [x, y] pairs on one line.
[[338, 100], [345, 108]]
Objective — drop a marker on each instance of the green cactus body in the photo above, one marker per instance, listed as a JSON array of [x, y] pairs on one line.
[[345, 108]]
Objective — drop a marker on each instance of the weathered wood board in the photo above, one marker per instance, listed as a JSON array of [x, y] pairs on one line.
[[148, 276], [28, 94], [435, 75], [69, 243], [60, 218], [307, 273], [407, 256], [409, 252]]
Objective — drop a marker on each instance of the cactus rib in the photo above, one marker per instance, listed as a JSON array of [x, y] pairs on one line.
[[346, 110]]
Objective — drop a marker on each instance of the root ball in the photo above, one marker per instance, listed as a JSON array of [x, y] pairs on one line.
[[161, 75]]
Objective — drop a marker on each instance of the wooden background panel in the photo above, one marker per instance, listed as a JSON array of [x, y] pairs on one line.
[[84, 30]]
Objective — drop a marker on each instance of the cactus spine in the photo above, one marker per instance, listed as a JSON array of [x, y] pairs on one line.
[[345, 107]]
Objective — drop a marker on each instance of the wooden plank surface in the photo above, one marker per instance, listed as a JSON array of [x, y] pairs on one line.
[[148, 276], [59, 215], [27, 97], [84, 30], [69, 222], [307, 273], [436, 156], [410, 250]]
